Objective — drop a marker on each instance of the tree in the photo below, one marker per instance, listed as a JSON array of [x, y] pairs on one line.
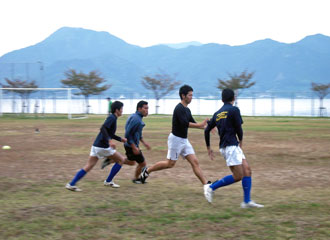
[[24, 94], [86, 83], [161, 84], [321, 90], [236, 82]]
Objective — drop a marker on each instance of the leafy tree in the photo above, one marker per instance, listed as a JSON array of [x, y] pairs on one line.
[[86, 83], [236, 82], [321, 90], [161, 84], [24, 94]]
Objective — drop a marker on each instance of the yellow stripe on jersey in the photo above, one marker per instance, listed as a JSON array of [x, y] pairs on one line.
[[221, 115]]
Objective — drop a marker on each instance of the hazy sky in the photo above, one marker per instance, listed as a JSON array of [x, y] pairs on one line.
[[148, 22]]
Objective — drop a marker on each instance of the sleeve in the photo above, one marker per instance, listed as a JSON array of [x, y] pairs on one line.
[[104, 132], [131, 129], [114, 136], [238, 124], [191, 119], [182, 117], [210, 125], [108, 131]]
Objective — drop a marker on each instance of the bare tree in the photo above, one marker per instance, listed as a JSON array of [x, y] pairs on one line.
[[86, 83], [321, 90], [236, 82], [24, 94], [161, 84]]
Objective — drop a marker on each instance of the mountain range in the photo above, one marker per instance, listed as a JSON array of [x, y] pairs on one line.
[[278, 67]]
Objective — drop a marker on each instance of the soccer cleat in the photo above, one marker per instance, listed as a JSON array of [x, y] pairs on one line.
[[111, 184], [106, 162], [144, 175], [251, 204], [137, 181], [72, 188], [208, 192]]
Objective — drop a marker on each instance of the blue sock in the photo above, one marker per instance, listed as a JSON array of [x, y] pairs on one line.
[[247, 184], [114, 170], [80, 174], [227, 180]]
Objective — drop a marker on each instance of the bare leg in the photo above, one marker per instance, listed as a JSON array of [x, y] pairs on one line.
[[192, 159], [246, 169], [161, 165], [139, 169], [118, 158], [237, 172], [90, 163], [128, 162]]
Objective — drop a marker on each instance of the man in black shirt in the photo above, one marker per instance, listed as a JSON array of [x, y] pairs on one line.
[[228, 120], [178, 143]]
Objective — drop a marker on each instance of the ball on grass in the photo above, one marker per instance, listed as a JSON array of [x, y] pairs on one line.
[[6, 147]]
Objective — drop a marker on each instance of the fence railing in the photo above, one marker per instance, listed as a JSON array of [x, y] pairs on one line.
[[65, 102]]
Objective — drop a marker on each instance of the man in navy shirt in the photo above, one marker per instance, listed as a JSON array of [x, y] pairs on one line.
[[133, 133], [104, 147], [229, 122], [178, 143]]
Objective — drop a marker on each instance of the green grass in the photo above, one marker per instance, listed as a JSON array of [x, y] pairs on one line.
[[290, 159]]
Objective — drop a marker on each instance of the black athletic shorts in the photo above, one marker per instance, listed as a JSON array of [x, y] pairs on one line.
[[132, 157]]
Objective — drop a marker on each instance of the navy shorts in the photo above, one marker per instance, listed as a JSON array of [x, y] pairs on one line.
[[132, 157]]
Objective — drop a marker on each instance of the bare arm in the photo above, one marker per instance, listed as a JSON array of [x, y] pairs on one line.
[[200, 125], [145, 144]]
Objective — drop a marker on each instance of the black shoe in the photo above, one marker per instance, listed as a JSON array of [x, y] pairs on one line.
[[105, 163], [144, 174], [137, 181]]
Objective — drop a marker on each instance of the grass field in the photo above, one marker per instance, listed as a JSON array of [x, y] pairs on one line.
[[290, 160]]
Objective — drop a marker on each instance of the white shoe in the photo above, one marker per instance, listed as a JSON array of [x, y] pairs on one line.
[[72, 188], [111, 184], [251, 204], [208, 192]]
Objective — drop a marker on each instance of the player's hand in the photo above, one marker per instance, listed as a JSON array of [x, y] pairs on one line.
[[211, 154], [123, 140], [112, 145], [147, 146], [203, 124], [136, 151], [240, 144], [214, 130]]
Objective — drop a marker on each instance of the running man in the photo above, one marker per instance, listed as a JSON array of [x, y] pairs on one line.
[[133, 133], [178, 143], [229, 122], [104, 147]]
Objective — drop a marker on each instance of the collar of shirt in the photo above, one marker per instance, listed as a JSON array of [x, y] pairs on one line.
[[139, 114]]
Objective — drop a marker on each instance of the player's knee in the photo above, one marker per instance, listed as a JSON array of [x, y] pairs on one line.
[[247, 172], [170, 164], [238, 177]]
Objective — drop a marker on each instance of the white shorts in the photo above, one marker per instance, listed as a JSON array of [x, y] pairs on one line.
[[178, 146], [233, 155], [102, 152]]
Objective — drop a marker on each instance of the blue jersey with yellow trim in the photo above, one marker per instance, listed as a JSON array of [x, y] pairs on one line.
[[229, 122]]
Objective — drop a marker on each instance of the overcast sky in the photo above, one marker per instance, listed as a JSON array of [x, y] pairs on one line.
[[149, 22]]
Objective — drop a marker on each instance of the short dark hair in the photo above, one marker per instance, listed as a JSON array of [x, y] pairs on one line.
[[116, 105], [227, 95], [184, 90], [140, 104]]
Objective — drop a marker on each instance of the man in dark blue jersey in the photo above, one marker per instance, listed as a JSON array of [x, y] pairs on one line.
[[228, 121], [133, 133], [104, 147], [178, 143]]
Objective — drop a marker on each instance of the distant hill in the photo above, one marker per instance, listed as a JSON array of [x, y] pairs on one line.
[[183, 45], [278, 66]]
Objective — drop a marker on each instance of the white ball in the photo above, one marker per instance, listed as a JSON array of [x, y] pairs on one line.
[[6, 147]]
